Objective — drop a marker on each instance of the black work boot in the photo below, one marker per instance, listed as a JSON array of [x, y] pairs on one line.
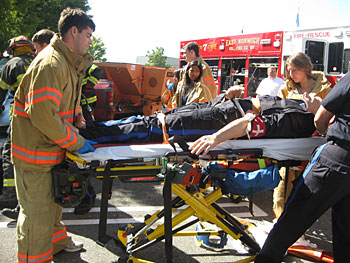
[[8, 199], [11, 213]]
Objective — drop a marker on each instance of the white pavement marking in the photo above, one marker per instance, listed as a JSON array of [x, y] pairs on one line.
[[127, 209]]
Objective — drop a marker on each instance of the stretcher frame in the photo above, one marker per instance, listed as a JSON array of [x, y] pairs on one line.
[[204, 207]]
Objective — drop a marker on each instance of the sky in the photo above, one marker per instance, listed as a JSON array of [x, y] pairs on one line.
[[131, 28]]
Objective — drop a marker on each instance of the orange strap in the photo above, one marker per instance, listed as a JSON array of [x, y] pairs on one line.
[[161, 118]]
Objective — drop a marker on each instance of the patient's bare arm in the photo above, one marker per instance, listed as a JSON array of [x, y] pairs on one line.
[[234, 129], [323, 118], [233, 92]]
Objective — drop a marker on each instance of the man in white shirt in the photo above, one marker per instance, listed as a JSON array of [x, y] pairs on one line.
[[271, 84]]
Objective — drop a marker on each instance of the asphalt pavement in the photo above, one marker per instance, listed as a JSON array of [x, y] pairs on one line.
[[130, 202]]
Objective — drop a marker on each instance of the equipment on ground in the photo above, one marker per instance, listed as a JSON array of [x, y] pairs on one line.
[[129, 89]]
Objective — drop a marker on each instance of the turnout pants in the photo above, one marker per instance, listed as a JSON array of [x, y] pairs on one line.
[[280, 196], [8, 174], [40, 232], [324, 184]]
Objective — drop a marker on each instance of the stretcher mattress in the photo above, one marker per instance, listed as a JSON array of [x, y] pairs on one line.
[[278, 149]]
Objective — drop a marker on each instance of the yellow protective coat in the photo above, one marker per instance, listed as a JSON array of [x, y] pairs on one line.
[[200, 93], [322, 88], [48, 94], [207, 77]]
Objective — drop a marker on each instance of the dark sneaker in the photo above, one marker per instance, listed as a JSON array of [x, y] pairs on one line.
[[10, 213], [73, 247]]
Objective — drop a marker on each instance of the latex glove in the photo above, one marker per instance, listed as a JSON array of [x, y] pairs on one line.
[[87, 147]]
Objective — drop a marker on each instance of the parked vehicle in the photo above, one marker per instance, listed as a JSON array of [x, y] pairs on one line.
[[244, 59]]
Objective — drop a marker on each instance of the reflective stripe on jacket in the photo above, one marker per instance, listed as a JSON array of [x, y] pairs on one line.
[[12, 74], [48, 94], [93, 74]]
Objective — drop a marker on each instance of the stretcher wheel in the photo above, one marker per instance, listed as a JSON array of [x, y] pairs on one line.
[[236, 199], [239, 228], [250, 242], [124, 259]]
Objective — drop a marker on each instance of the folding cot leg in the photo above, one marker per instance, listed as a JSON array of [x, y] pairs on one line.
[[107, 181], [168, 215]]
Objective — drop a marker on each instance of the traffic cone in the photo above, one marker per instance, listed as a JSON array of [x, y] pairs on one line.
[[311, 253]]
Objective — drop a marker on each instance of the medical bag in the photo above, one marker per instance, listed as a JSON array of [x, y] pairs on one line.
[[70, 183], [244, 177]]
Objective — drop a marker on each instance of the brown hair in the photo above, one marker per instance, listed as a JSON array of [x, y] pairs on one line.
[[192, 46], [43, 36], [301, 61], [74, 17]]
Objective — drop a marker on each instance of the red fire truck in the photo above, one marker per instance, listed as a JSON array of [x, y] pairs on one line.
[[244, 59]]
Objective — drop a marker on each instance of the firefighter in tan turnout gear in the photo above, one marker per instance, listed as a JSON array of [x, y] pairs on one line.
[[45, 109]]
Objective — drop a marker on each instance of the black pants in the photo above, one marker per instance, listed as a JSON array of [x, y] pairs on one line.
[[325, 184], [279, 119], [7, 166]]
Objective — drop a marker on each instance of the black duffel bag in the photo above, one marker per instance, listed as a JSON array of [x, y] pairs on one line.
[[70, 183]]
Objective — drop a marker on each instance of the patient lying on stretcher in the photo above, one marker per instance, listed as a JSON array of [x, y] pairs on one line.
[[269, 117]]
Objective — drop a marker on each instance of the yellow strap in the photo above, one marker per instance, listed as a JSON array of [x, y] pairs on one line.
[[261, 163]]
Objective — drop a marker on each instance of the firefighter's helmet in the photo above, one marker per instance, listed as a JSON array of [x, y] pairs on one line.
[[19, 41]]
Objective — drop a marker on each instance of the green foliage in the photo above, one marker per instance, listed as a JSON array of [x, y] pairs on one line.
[[157, 58], [26, 17], [97, 49]]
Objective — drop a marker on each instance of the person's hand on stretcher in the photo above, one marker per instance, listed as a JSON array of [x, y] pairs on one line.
[[234, 129], [232, 92], [88, 145]]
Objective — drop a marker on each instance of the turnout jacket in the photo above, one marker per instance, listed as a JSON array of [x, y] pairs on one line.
[[12, 74], [278, 119], [49, 93], [89, 98], [93, 74], [321, 89], [200, 93], [207, 77]]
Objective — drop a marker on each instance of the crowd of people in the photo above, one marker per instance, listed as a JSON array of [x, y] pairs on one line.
[[52, 78]]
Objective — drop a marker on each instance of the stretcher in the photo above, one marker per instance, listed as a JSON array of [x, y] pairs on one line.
[[166, 163]]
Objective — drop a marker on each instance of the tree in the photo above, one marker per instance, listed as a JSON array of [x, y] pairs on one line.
[[26, 17], [156, 58], [97, 49]]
